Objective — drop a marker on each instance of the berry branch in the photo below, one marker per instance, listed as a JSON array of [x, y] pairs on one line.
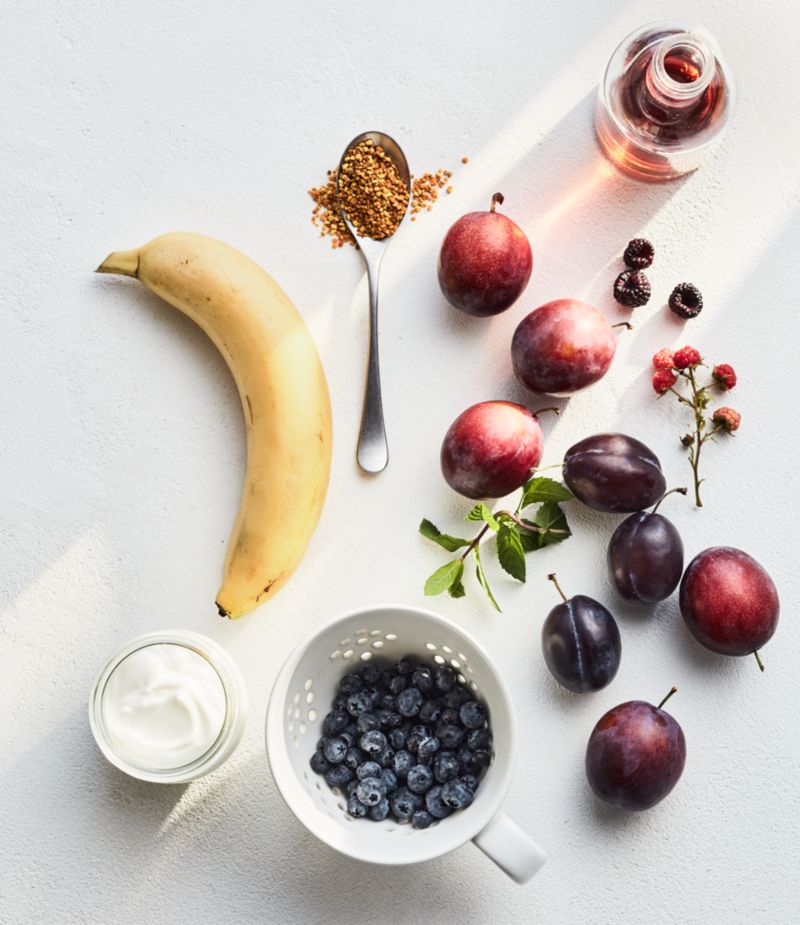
[[683, 365]]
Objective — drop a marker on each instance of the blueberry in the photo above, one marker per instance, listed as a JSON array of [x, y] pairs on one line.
[[415, 735], [421, 819], [338, 776], [464, 758], [350, 789], [340, 702], [456, 794], [434, 803], [335, 722], [321, 743], [375, 695], [407, 665], [455, 697], [352, 730], [370, 674], [388, 779], [373, 742], [430, 711], [420, 779], [402, 763], [358, 703], [481, 758], [367, 721], [379, 811], [385, 757], [409, 701], [450, 736], [397, 738], [422, 680], [395, 720], [479, 738], [445, 767], [350, 684], [387, 702], [319, 763], [336, 750], [348, 738], [397, 683], [383, 717], [450, 716], [444, 678], [354, 757], [368, 769], [472, 715], [427, 748], [469, 780], [370, 791], [355, 807], [404, 804]]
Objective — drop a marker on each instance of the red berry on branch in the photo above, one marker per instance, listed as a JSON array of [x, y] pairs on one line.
[[724, 375], [663, 359], [685, 357], [663, 380], [727, 419]]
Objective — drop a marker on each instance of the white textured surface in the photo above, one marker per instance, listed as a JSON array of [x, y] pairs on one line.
[[123, 440]]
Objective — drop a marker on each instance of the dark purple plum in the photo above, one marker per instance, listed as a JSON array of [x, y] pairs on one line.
[[728, 601], [562, 347], [636, 754], [614, 473], [645, 556], [580, 643]]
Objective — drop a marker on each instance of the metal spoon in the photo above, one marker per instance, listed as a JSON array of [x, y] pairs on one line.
[[373, 450]]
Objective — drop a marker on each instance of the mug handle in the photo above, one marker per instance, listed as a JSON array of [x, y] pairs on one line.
[[510, 848]]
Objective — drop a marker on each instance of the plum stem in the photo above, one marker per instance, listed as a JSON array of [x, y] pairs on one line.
[[674, 690], [497, 200], [758, 659], [623, 324], [683, 490], [552, 577], [539, 411], [532, 527]]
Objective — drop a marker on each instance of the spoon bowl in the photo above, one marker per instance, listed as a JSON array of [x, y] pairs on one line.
[[373, 449]]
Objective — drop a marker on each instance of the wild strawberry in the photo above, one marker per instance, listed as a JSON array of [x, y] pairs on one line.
[[663, 380], [724, 375], [685, 357], [663, 359], [727, 419]]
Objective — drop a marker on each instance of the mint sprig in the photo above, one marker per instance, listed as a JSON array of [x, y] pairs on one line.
[[515, 536]]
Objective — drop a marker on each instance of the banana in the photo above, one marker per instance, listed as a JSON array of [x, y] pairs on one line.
[[284, 397]]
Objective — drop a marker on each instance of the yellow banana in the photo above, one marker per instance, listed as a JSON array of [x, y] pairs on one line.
[[284, 397]]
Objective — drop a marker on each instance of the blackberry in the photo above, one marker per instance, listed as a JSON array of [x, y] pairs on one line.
[[638, 254], [686, 301], [632, 288]]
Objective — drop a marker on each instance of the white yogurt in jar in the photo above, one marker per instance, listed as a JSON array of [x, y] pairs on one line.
[[163, 706]]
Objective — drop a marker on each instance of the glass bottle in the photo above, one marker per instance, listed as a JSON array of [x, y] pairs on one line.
[[665, 99]]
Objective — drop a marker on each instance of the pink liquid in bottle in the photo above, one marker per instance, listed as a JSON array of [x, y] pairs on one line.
[[664, 100]]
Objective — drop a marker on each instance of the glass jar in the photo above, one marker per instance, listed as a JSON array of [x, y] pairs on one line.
[[233, 722], [664, 101]]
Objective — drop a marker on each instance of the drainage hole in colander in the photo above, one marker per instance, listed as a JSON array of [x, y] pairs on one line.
[[374, 632], [455, 663], [309, 684], [378, 644], [362, 641], [447, 649], [462, 679], [431, 646], [348, 654], [366, 656], [391, 637], [310, 697], [312, 716], [335, 654], [438, 659]]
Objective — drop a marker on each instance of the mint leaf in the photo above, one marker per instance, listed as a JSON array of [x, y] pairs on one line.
[[551, 517], [444, 577], [510, 552], [456, 589], [481, 512], [432, 532], [483, 582], [540, 489]]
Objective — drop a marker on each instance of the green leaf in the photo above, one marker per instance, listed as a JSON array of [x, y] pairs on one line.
[[551, 517], [510, 552], [481, 512], [456, 589], [531, 540], [444, 578], [483, 582], [432, 532], [540, 489]]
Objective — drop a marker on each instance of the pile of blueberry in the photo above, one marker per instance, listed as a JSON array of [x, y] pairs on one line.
[[406, 740]]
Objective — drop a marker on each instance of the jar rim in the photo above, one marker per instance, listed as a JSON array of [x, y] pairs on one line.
[[235, 706]]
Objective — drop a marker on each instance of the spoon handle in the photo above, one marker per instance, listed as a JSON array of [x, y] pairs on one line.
[[373, 450]]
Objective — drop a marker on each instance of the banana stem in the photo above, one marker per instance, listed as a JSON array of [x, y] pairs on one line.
[[122, 263]]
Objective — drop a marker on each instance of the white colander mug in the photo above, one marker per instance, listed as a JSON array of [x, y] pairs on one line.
[[302, 695]]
